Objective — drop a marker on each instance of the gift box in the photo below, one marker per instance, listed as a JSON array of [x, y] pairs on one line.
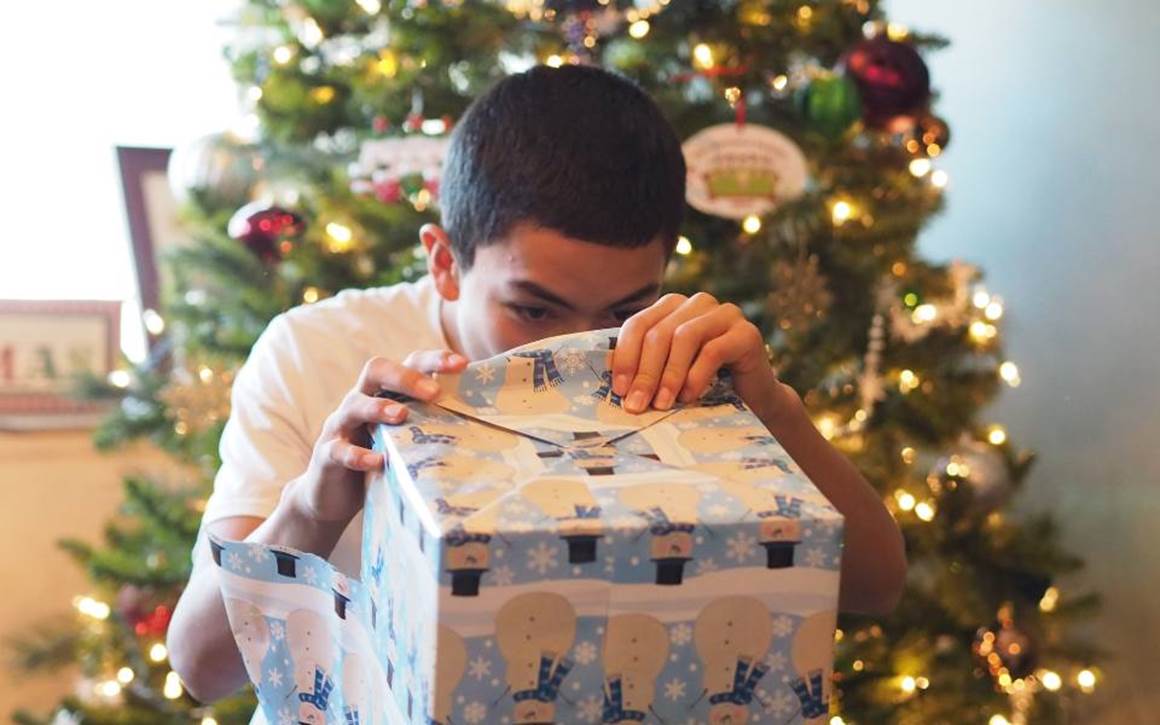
[[533, 553]]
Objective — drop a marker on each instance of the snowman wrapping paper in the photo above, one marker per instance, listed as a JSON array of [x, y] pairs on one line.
[[535, 554]]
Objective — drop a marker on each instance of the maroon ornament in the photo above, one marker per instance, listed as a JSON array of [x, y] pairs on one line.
[[155, 623], [388, 192], [267, 230], [380, 124], [892, 80]]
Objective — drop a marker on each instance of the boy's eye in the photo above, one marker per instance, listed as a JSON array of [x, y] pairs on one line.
[[531, 313]]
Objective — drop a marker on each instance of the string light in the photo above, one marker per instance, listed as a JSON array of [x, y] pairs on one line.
[[981, 299], [841, 211], [805, 13], [998, 720], [125, 675], [154, 323], [120, 378], [907, 454], [1051, 680], [388, 63], [905, 500], [322, 94], [920, 167], [157, 652], [340, 237], [897, 31], [310, 295], [703, 56], [907, 381], [908, 684], [1048, 601], [751, 224], [370, 7], [997, 435], [108, 688], [207, 720], [554, 61], [172, 688], [684, 246], [311, 33], [982, 332], [922, 682], [1010, 374], [924, 313], [925, 511], [639, 29], [827, 425], [836, 720], [939, 179], [1086, 680], [283, 54], [993, 310], [91, 607], [780, 82]]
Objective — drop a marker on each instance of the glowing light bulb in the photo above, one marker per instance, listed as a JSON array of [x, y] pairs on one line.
[[154, 323], [924, 511], [125, 675], [897, 31], [998, 720], [157, 652], [981, 299], [370, 7], [554, 61], [108, 688], [920, 167], [283, 54], [908, 684], [120, 378], [751, 224], [993, 310], [684, 246], [92, 607], [172, 688], [841, 212], [780, 82], [1010, 373], [1086, 680], [1051, 680], [804, 13], [703, 56], [939, 179], [906, 501], [924, 313], [827, 426], [340, 237], [997, 436], [639, 29], [310, 294], [1050, 597]]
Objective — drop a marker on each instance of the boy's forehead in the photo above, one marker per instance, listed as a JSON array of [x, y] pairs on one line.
[[590, 272]]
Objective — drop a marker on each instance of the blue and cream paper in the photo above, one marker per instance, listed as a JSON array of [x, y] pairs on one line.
[[535, 554]]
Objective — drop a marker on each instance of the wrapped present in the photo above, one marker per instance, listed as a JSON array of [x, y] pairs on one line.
[[534, 553]]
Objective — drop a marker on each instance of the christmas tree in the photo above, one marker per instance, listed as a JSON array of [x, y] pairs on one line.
[[813, 152]]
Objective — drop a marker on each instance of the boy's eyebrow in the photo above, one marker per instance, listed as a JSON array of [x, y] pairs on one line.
[[536, 290]]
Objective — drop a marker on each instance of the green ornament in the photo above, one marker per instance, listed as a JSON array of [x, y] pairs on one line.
[[832, 105], [411, 184]]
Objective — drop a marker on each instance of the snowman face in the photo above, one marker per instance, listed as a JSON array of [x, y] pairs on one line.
[[780, 529], [534, 711], [718, 440], [728, 713], [472, 555], [308, 713], [677, 545], [535, 282]]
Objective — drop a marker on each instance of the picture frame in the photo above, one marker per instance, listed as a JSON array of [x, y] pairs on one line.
[[152, 215], [44, 346]]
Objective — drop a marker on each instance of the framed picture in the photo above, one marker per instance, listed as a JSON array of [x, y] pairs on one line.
[[44, 346], [152, 215]]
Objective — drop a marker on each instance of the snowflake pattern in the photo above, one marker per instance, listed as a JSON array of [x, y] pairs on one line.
[[704, 566], [274, 677], [571, 361], [503, 575], [285, 717], [740, 547], [234, 560], [309, 574], [815, 557], [542, 558], [681, 634], [590, 709], [485, 373], [585, 653], [781, 703], [479, 668], [475, 712], [782, 625], [675, 689], [276, 630], [775, 660]]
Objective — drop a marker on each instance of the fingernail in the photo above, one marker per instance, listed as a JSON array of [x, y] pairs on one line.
[[392, 411], [428, 387], [455, 358], [620, 384], [664, 399], [636, 401], [369, 459]]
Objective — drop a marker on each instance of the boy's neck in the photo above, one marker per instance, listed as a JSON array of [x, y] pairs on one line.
[[447, 326]]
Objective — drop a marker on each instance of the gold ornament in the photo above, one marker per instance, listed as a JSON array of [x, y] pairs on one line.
[[799, 297]]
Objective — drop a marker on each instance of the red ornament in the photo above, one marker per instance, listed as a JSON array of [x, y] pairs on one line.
[[892, 80], [388, 191], [432, 186], [448, 123], [155, 623], [413, 123], [380, 124], [266, 230]]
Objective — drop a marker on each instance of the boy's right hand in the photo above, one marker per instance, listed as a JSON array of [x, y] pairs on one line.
[[333, 487]]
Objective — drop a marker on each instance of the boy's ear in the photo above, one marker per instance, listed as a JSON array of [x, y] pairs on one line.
[[441, 262]]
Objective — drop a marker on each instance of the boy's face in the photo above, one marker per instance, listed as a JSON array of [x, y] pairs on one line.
[[538, 283]]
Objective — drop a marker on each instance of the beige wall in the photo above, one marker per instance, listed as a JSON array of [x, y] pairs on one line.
[[52, 485]]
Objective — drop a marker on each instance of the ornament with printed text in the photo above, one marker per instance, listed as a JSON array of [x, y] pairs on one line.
[[892, 79], [736, 170]]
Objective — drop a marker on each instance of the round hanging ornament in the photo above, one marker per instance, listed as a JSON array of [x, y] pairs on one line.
[[735, 170]]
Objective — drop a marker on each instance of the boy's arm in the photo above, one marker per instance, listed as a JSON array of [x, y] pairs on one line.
[[874, 556], [673, 350]]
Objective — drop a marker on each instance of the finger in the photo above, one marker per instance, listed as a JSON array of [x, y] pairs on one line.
[[688, 339], [714, 355], [359, 410], [655, 351], [436, 361], [626, 356], [343, 453], [381, 374]]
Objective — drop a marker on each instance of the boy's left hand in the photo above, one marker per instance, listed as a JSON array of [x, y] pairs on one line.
[[673, 349]]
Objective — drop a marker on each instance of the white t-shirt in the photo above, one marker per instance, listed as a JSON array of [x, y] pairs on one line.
[[300, 368]]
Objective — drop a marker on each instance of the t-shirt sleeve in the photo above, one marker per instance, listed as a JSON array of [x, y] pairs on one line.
[[266, 442]]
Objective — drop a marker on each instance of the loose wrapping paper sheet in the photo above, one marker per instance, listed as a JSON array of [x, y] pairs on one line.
[[533, 553]]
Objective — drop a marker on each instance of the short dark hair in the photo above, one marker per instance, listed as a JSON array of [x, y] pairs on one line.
[[577, 149]]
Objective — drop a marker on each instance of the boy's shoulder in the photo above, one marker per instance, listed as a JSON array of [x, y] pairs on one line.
[[405, 306]]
